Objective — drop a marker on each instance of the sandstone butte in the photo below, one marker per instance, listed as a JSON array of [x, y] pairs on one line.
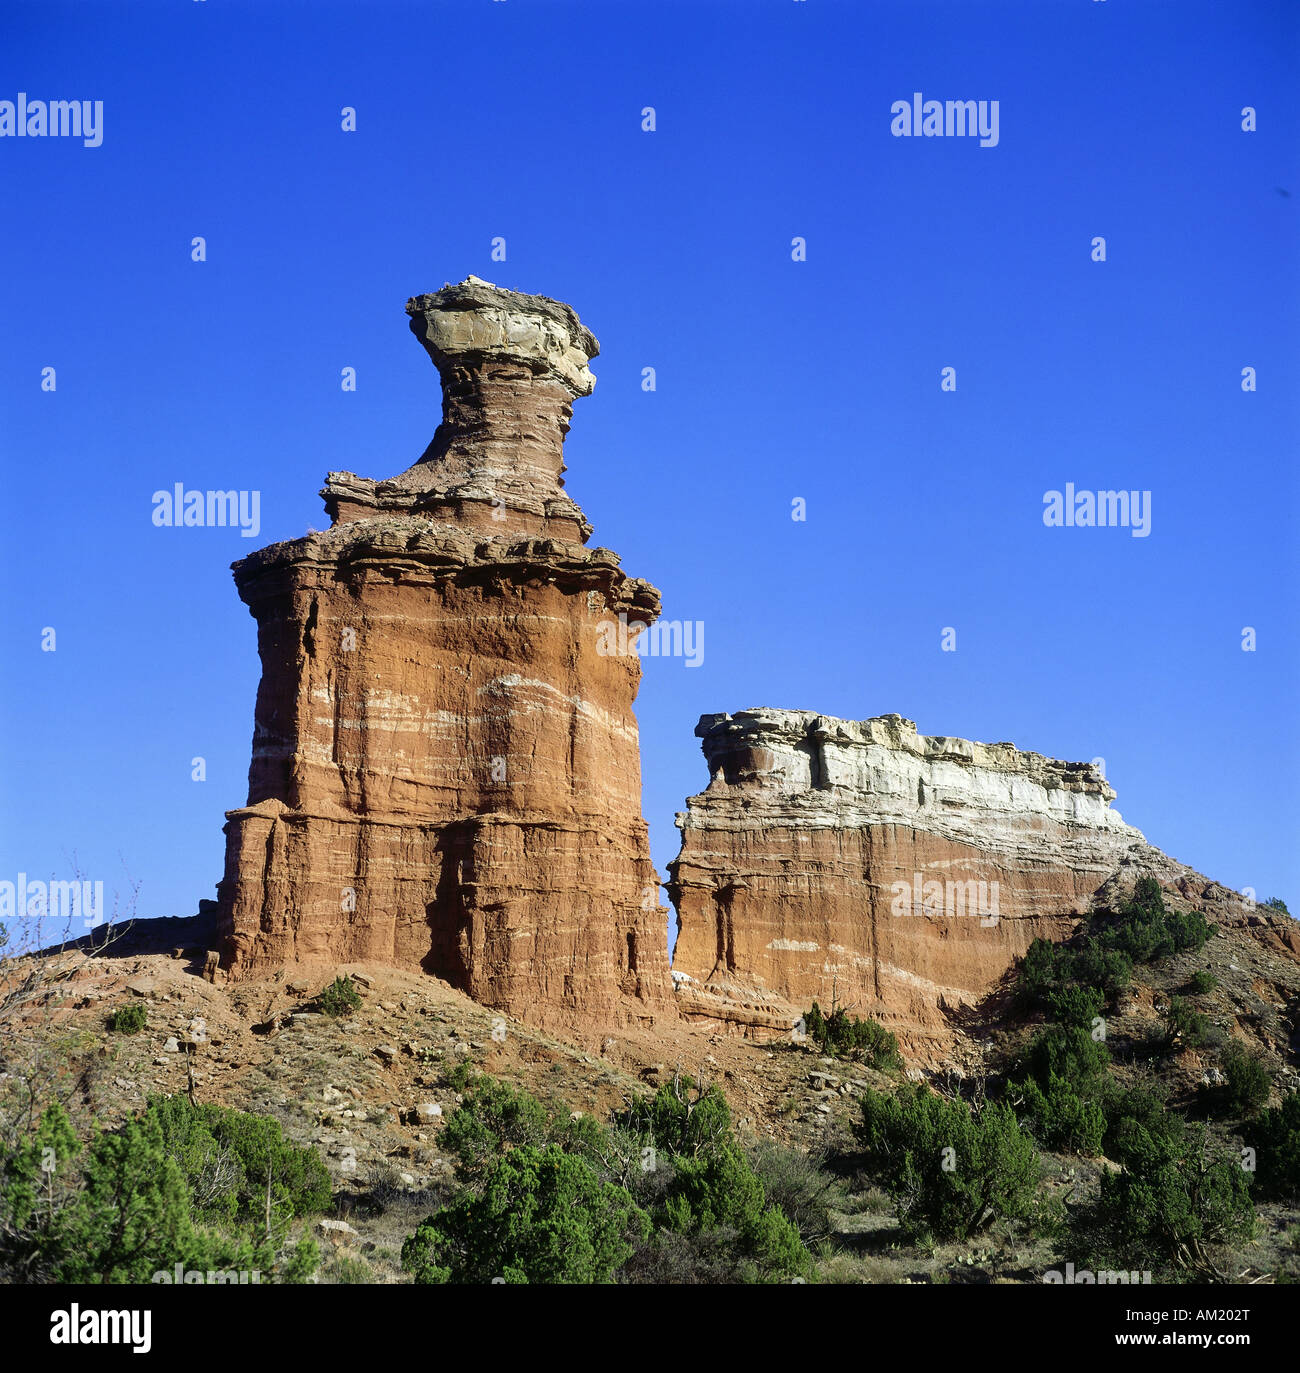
[[896, 874], [446, 771]]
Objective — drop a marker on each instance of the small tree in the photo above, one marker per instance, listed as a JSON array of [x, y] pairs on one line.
[[953, 1170], [1146, 930], [239, 1166], [1066, 1084], [684, 1118], [1094, 965], [121, 1209], [132, 1217], [492, 1118], [714, 1197], [1040, 970], [719, 1192], [1275, 1136], [340, 998], [1244, 1088], [1185, 1026], [1136, 1115], [1175, 1206], [1076, 1005], [846, 1036], [1086, 965], [541, 1216]]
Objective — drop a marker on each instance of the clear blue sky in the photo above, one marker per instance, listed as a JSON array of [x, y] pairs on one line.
[[776, 379]]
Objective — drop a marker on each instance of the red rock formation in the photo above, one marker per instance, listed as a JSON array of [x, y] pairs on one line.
[[897, 874], [445, 768]]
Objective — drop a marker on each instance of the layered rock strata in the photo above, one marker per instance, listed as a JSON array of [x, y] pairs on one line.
[[446, 770], [896, 874]]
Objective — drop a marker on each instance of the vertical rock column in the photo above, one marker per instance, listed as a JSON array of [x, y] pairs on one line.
[[446, 769]]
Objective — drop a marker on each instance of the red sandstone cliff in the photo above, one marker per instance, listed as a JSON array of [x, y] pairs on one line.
[[900, 875], [446, 770]]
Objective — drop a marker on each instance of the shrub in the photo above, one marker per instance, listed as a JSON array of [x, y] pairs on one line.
[[1076, 1005], [1275, 1136], [215, 1176], [1245, 1086], [1041, 970], [348, 1271], [1202, 981], [1275, 903], [383, 1188], [340, 998], [1069, 1052], [1188, 930], [1147, 901], [239, 1166], [129, 1019], [461, 1076], [626, 1158], [1145, 930], [1185, 1026], [1049, 970], [28, 1197], [133, 1216], [670, 1257], [1066, 1085], [1063, 1119], [800, 1185], [843, 1036], [120, 1209], [670, 1158], [542, 1216], [1172, 1206], [1095, 965], [126, 1215], [773, 1244], [719, 1192], [1141, 931], [1136, 1115], [682, 1118], [303, 1260], [714, 1191], [953, 1171], [493, 1118], [589, 1139]]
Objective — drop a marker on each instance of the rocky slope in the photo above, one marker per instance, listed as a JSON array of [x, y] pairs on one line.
[[900, 875], [372, 1091], [446, 772]]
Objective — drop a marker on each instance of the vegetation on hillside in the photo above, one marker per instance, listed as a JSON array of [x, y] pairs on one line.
[[1086, 1140], [663, 1193], [210, 1189], [844, 1036]]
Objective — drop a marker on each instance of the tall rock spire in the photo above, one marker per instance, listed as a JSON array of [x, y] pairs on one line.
[[446, 770]]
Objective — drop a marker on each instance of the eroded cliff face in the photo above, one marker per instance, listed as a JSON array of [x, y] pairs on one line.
[[446, 770], [897, 874]]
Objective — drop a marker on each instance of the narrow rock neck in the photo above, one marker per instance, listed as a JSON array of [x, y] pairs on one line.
[[503, 425]]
